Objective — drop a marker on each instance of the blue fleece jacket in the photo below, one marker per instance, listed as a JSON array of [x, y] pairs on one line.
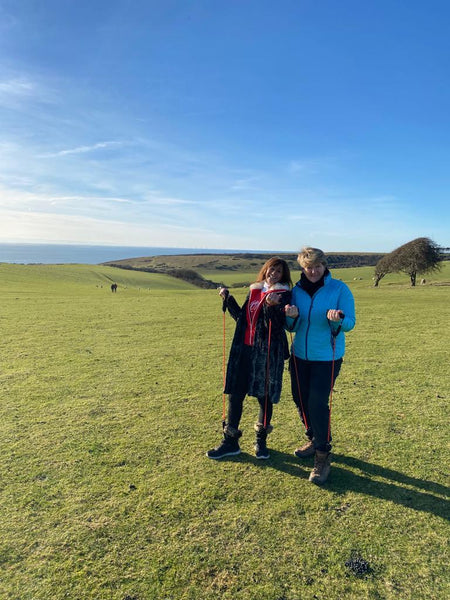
[[313, 331]]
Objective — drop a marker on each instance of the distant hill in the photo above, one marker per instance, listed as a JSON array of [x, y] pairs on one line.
[[233, 262], [186, 266]]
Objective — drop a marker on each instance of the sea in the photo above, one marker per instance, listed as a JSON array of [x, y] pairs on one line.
[[92, 255]]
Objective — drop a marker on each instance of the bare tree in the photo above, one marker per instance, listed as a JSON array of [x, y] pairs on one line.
[[421, 255]]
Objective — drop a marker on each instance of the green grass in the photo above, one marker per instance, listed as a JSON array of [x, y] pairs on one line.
[[73, 279], [109, 402]]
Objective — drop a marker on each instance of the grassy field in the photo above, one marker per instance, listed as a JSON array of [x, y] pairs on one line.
[[109, 402]]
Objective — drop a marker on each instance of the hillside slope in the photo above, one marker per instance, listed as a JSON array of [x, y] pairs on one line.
[[67, 278], [235, 262]]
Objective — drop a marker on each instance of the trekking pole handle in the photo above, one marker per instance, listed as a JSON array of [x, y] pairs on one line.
[[226, 293], [340, 313]]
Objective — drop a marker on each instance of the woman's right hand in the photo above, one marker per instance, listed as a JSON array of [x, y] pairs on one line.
[[291, 310], [223, 292]]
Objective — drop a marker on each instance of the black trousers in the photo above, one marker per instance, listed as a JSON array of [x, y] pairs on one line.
[[236, 399], [311, 385]]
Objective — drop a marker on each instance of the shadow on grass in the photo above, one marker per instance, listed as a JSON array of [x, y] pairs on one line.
[[372, 480]]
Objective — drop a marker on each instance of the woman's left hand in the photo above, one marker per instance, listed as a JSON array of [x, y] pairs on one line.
[[335, 314], [291, 310], [273, 299]]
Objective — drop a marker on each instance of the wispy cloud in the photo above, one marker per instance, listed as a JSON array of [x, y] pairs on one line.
[[297, 166], [167, 201], [247, 183], [19, 226], [83, 149], [310, 166], [54, 200], [304, 218], [43, 203], [15, 92], [17, 87]]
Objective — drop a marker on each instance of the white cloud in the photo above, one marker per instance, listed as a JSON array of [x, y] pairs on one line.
[[17, 199], [153, 199], [70, 211], [17, 87], [18, 226], [303, 218], [246, 184], [296, 166], [305, 167], [54, 200], [14, 92], [83, 149], [18, 90]]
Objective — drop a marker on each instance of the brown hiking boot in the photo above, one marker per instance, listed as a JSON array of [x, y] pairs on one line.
[[321, 469], [305, 451]]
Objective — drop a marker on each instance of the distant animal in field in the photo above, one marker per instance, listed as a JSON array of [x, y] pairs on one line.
[[114, 287], [423, 281]]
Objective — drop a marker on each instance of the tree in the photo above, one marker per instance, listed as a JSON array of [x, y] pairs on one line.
[[382, 268], [421, 255]]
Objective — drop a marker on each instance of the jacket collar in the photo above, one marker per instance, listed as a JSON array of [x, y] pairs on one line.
[[326, 279], [278, 286]]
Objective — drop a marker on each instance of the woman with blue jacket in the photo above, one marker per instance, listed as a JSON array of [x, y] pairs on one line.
[[322, 310]]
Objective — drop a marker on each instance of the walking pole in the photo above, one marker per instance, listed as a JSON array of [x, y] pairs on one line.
[[331, 390], [267, 375], [334, 336], [305, 422], [224, 310]]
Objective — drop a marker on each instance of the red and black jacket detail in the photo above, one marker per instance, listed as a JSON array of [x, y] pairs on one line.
[[262, 315]]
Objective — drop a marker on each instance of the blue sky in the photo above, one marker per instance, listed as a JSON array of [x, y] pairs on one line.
[[231, 124]]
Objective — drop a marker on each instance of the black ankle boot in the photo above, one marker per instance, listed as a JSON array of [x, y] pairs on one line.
[[261, 451], [229, 445]]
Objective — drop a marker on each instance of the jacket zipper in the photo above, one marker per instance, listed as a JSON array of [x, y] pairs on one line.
[[307, 329], [309, 321]]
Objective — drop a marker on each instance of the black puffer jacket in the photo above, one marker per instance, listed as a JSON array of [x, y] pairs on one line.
[[279, 350]]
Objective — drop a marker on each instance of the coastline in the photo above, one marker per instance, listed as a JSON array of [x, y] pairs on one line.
[[31, 253]]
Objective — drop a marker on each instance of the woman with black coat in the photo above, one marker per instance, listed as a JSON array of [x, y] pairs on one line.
[[259, 348]]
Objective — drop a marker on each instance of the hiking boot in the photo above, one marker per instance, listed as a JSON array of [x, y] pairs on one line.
[[321, 469], [305, 450], [229, 445], [261, 451]]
